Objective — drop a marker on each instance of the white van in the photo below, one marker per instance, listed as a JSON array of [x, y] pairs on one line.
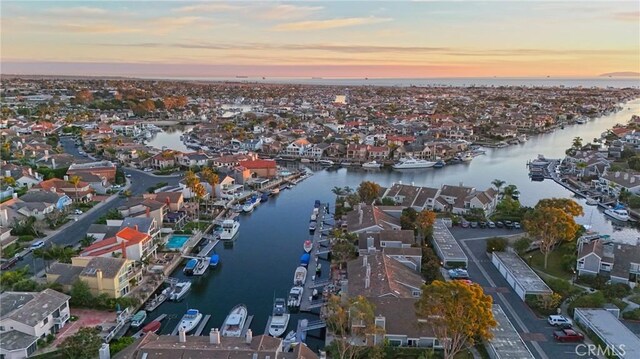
[[556, 320]]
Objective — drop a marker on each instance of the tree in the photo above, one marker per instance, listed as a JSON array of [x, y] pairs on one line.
[[424, 222], [552, 221], [75, 181], [510, 190], [522, 244], [342, 251], [430, 268], [80, 294], [338, 191], [459, 313], [369, 191], [199, 192], [498, 184], [209, 176], [84, 344], [87, 240], [8, 181], [350, 323], [577, 143], [408, 219]]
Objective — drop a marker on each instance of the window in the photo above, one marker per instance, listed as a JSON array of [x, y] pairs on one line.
[[416, 293], [2, 328], [45, 321], [581, 264]]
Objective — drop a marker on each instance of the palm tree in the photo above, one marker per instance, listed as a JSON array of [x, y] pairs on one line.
[[75, 181], [577, 143], [338, 191], [199, 192], [498, 183], [510, 190], [348, 190], [212, 179], [87, 240]]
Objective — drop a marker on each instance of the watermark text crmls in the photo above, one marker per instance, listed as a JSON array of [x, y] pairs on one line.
[[599, 350]]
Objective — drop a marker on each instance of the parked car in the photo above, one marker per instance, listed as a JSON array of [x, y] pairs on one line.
[[556, 320], [36, 245], [483, 224], [491, 224], [458, 273], [77, 211], [568, 335], [474, 224], [516, 225], [128, 175], [464, 224], [499, 224], [508, 224], [9, 263], [148, 169]]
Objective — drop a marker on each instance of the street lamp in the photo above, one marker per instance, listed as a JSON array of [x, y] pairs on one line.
[[530, 258]]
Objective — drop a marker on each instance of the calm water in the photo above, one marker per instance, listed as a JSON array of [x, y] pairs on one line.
[[267, 250]]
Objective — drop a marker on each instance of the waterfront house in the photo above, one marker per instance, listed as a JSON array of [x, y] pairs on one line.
[[357, 151], [369, 242], [144, 207], [173, 200], [29, 316], [418, 198], [164, 159], [115, 277], [369, 218], [613, 182], [24, 175], [298, 147], [618, 261], [128, 243], [261, 168], [191, 159], [459, 199]]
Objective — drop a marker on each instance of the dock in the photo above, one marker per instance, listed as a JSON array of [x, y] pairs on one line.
[[307, 303], [246, 326], [266, 329], [208, 248], [159, 318], [202, 324]]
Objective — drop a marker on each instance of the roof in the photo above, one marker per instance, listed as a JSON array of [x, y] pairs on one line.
[[366, 216], [506, 342], [109, 266], [400, 317], [455, 191], [67, 274], [387, 277], [40, 196], [446, 245], [58, 184], [173, 197], [403, 236], [259, 164], [610, 330], [30, 308], [15, 340], [142, 224], [132, 235], [522, 273]]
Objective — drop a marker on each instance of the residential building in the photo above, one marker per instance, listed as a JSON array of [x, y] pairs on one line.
[[128, 243], [369, 218], [81, 192], [101, 169], [261, 168], [298, 147], [618, 261]]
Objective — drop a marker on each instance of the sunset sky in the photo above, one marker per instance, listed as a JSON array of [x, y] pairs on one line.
[[326, 39]]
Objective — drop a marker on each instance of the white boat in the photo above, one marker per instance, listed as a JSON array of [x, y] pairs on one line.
[[275, 190], [308, 246], [156, 301], [180, 290], [326, 163], [230, 228], [233, 324], [279, 318], [409, 163], [582, 120], [251, 204], [312, 226], [592, 201], [295, 297], [372, 164], [314, 216], [300, 276], [196, 266], [466, 157], [618, 212], [190, 320], [138, 319], [305, 160]]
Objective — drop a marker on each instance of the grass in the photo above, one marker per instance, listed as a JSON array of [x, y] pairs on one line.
[[554, 265], [635, 298], [11, 250], [619, 303], [196, 225]]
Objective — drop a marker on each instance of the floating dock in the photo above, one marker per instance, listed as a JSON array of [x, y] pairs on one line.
[[307, 303], [246, 326], [208, 248], [139, 333], [202, 324]]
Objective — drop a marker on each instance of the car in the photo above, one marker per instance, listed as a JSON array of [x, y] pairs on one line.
[[499, 224], [148, 169], [557, 320], [36, 245], [128, 175], [458, 273], [517, 225], [568, 335], [491, 224], [474, 224], [508, 224], [9, 263], [464, 224], [483, 224], [116, 186], [77, 211]]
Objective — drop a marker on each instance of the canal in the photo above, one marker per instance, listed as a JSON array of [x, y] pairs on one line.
[[262, 261]]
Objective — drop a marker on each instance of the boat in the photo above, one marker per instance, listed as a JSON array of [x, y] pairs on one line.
[[318, 268], [300, 276], [190, 320], [202, 266], [582, 120], [314, 216], [275, 190], [410, 163], [295, 297], [372, 164], [308, 246], [180, 290], [466, 157], [191, 266], [264, 197], [326, 163], [439, 164], [312, 226], [233, 324], [156, 301], [305, 160], [138, 319], [618, 212], [230, 229], [592, 201], [317, 203], [279, 318], [250, 204], [152, 327], [304, 259], [214, 260]]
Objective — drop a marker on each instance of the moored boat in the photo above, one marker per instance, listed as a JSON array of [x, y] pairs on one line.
[[251, 204], [138, 319], [372, 164], [180, 290], [214, 260], [156, 301], [279, 318], [618, 212], [190, 267], [300, 276], [295, 297], [264, 197], [308, 246], [190, 320], [439, 164], [412, 163], [304, 259], [234, 322], [326, 163], [312, 226], [152, 327], [229, 228], [275, 190]]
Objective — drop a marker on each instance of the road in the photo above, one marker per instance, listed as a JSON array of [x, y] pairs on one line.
[[72, 234], [536, 332]]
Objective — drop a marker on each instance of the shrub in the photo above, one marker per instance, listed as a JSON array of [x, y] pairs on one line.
[[632, 314], [25, 238], [593, 300], [616, 290], [497, 244], [522, 244], [595, 282], [560, 286]]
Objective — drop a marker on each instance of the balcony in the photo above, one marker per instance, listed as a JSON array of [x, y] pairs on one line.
[[61, 319]]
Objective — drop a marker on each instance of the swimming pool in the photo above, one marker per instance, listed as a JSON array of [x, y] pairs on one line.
[[177, 241]]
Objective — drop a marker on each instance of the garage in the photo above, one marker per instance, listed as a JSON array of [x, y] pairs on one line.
[[519, 275]]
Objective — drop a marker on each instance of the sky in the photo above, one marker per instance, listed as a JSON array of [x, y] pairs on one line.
[[375, 39]]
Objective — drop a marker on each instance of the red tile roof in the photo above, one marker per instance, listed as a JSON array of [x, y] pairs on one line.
[[131, 235], [259, 164]]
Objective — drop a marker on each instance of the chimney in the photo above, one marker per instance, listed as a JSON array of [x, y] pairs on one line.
[[4, 217], [413, 184], [103, 352], [136, 226], [399, 182], [46, 152], [182, 335], [617, 174], [53, 163], [249, 336], [460, 183], [364, 261], [30, 171], [123, 247], [99, 280], [214, 336], [370, 242], [14, 195], [7, 173], [66, 178], [626, 176], [323, 354]]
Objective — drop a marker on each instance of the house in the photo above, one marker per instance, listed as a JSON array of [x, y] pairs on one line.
[[101, 169], [369, 242], [173, 200], [162, 160], [128, 243], [24, 175], [81, 192], [261, 168], [317, 150], [193, 159], [460, 199], [28, 316], [252, 144], [114, 277], [357, 151], [153, 346], [418, 198], [369, 218], [614, 182], [618, 261], [144, 207], [297, 147]]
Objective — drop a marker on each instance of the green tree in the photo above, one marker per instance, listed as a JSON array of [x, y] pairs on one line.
[[498, 184], [408, 219], [425, 220], [80, 294], [342, 251], [430, 268], [577, 143], [522, 244], [82, 345], [460, 314], [350, 322], [369, 191]]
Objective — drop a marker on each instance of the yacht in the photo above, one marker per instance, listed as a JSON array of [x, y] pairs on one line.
[[308, 246], [180, 290], [409, 163], [230, 228], [233, 324], [300, 276], [251, 204], [295, 297], [138, 319], [326, 163], [466, 157], [582, 120], [312, 226], [275, 191], [618, 212], [156, 301], [439, 164], [190, 320], [372, 164], [279, 318]]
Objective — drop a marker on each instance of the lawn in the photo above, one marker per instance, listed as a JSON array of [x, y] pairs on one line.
[[196, 225], [554, 266]]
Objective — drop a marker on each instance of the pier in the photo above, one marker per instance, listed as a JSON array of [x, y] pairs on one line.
[[139, 333], [246, 326], [202, 324], [308, 303], [208, 248]]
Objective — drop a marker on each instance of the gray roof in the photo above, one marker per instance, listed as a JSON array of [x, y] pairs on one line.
[[108, 265], [30, 308], [98, 228], [506, 342], [144, 223], [612, 332], [15, 340], [40, 196], [66, 272], [446, 245], [522, 273]]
